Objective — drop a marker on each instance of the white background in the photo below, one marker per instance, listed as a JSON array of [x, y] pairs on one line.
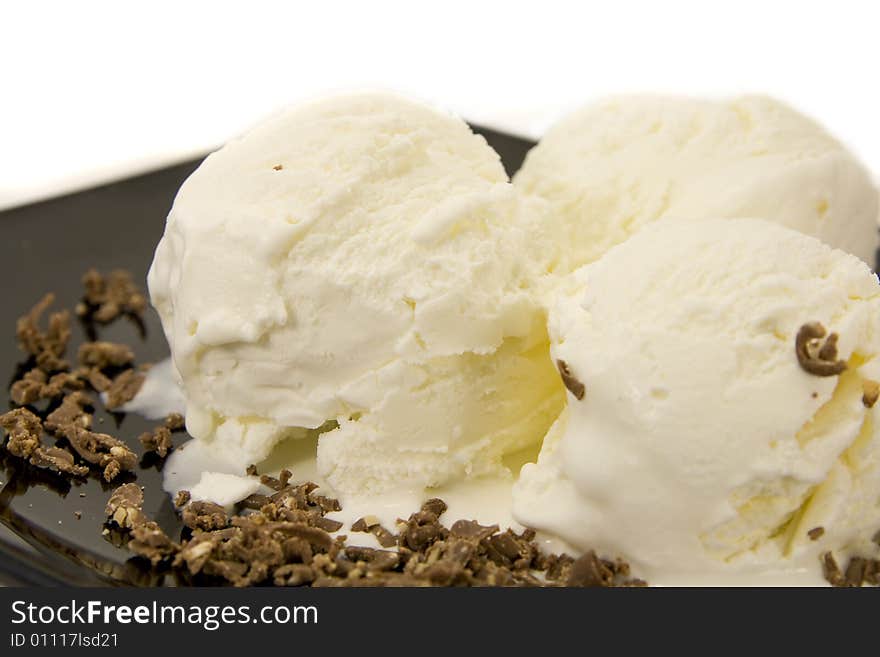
[[90, 91]]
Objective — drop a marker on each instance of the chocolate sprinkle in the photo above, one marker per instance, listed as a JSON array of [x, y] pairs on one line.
[[71, 412], [102, 355], [589, 571], [124, 506], [816, 533], [858, 571], [58, 459], [123, 388], [47, 347], [36, 385], [205, 516], [175, 422], [24, 431], [108, 297], [25, 434], [573, 384], [101, 449], [370, 524], [148, 540], [158, 440], [815, 356]]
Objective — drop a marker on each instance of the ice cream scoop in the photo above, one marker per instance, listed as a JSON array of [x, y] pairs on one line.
[[610, 169], [721, 424], [356, 263]]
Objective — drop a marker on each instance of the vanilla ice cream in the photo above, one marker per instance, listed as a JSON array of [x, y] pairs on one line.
[[609, 170], [357, 261], [709, 439]]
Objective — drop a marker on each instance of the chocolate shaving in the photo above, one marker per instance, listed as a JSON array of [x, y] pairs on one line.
[[108, 297], [371, 525], [235, 572], [195, 553], [101, 449], [205, 516], [71, 412], [858, 571], [150, 541], [58, 459], [816, 533], [25, 432], [328, 525], [292, 497], [98, 380], [574, 386], [276, 484], [255, 502], [29, 388], [158, 440], [815, 356], [855, 572], [870, 392], [510, 550], [589, 571], [831, 570], [423, 528], [175, 422], [101, 355], [123, 388], [471, 529], [557, 566], [372, 560], [47, 347], [125, 506], [36, 385], [327, 504], [294, 574]]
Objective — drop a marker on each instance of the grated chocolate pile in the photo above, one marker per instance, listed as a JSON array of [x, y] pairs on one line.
[[284, 538], [50, 395]]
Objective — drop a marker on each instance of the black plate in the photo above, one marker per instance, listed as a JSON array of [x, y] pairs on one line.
[[47, 247]]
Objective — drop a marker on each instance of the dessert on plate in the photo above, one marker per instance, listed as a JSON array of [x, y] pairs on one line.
[[652, 355]]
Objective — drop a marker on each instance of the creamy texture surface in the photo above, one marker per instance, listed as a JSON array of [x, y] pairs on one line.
[[357, 260], [614, 167], [702, 450]]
